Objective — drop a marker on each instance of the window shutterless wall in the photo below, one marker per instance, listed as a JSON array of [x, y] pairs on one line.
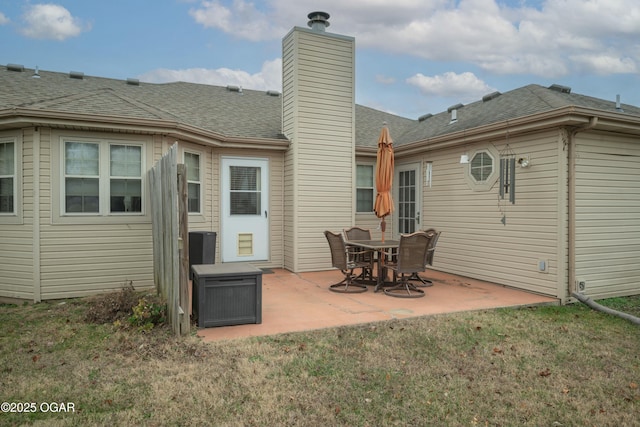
[[365, 187], [99, 179], [10, 179]]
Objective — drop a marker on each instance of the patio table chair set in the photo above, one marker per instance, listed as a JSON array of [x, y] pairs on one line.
[[405, 258]]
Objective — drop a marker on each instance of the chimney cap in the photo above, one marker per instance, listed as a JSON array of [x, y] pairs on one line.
[[318, 20]]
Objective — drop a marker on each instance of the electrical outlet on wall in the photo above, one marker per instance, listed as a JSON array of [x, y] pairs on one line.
[[581, 285], [543, 266]]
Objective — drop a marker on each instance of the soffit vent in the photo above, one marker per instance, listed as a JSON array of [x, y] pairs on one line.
[[560, 88], [425, 117], [490, 96], [133, 82], [15, 67], [76, 75]]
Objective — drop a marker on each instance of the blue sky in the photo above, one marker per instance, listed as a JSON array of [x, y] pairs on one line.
[[413, 56]]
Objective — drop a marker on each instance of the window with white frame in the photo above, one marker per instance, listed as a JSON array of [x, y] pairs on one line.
[[481, 166], [7, 177], [480, 173], [364, 188], [194, 181], [102, 178]]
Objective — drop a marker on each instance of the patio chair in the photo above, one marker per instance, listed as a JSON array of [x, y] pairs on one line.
[[346, 261], [358, 233], [411, 259], [431, 232]]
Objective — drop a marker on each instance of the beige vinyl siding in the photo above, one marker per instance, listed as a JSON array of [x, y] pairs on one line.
[[289, 116], [608, 214], [16, 240], [82, 259], [474, 242], [320, 164]]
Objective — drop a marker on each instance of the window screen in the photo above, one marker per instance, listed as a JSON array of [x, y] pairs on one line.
[[481, 166], [125, 178], [245, 191], [7, 177], [364, 188], [192, 161], [82, 177]]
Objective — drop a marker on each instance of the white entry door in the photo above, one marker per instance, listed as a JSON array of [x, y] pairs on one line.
[[245, 209], [407, 192]]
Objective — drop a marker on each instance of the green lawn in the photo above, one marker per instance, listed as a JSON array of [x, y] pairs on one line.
[[545, 366]]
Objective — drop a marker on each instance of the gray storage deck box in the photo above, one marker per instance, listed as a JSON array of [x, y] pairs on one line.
[[227, 294]]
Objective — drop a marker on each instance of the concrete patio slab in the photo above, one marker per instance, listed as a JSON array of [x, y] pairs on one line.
[[298, 302]]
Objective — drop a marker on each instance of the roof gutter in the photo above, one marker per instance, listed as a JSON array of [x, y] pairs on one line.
[[25, 117]]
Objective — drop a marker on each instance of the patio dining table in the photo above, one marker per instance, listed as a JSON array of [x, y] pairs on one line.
[[381, 248]]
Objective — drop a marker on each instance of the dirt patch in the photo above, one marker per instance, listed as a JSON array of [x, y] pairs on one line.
[[113, 306]]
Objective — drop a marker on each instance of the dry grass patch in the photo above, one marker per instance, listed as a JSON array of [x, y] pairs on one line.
[[562, 366]]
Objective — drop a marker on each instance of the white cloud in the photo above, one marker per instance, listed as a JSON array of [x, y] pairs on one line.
[[50, 21], [3, 19], [554, 39], [451, 84], [269, 77], [242, 19], [606, 64], [385, 80]]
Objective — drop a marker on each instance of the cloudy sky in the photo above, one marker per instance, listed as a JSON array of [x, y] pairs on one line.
[[413, 56]]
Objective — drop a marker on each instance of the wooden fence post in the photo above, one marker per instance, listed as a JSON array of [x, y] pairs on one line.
[[183, 250], [168, 185]]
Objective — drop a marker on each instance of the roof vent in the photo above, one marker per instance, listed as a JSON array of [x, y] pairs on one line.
[[425, 117], [318, 21], [454, 112], [560, 88], [490, 96], [618, 105], [15, 67], [273, 93], [36, 73], [133, 82], [454, 107], [231, 88], [76, 75]]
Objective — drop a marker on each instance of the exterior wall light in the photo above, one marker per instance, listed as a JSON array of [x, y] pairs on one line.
[[464, 158], [524, 162]]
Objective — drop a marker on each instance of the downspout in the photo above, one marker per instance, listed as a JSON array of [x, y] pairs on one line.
[[571, 194], [37, 281]]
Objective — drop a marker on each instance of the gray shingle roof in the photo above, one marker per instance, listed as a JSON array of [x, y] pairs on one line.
[[521, 102], [249, 114], [257, 114]]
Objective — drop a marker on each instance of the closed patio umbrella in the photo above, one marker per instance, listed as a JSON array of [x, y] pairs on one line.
[[384, 177]]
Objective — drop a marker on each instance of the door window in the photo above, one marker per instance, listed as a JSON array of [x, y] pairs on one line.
[[245, 192]]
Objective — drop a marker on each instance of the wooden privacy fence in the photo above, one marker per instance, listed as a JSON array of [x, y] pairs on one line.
[[168, 185]]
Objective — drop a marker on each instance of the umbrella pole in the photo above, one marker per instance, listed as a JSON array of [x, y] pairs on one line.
[[383, 255]]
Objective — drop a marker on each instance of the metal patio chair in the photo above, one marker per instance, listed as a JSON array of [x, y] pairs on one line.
[[346, 261], [431, 232], [410, 260], [358, 233]]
